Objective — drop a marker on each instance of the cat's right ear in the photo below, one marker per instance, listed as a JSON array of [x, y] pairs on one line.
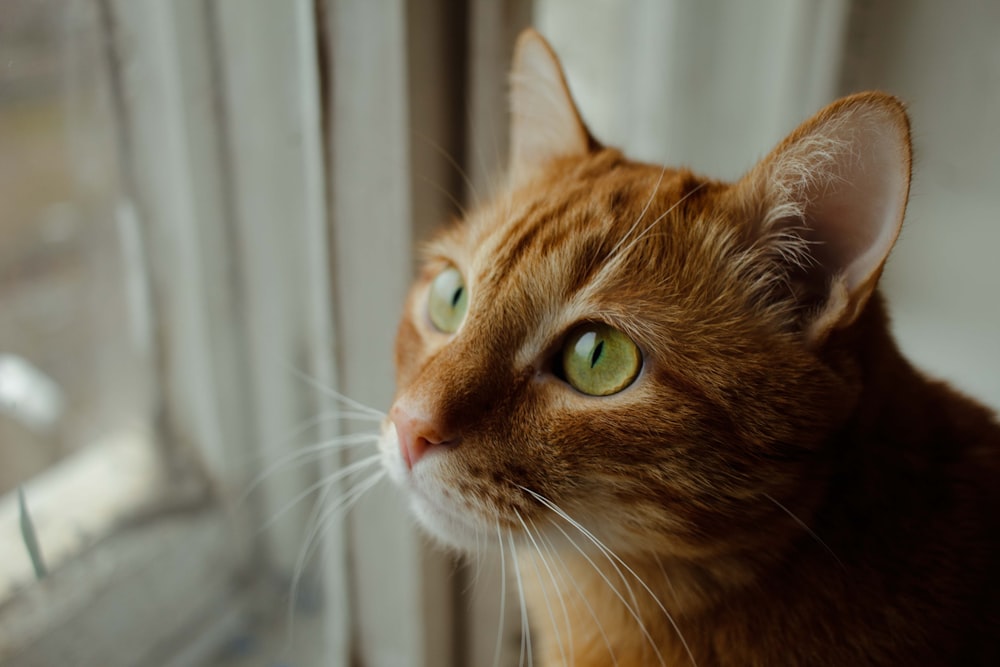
[[545, 123], [827, 205]]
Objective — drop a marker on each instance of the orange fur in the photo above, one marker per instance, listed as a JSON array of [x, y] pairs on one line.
[[790, 489]]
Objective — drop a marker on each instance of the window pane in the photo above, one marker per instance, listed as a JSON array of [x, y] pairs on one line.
[[71, 368]]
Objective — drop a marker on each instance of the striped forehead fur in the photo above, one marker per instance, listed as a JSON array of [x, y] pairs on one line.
[[613, 244]]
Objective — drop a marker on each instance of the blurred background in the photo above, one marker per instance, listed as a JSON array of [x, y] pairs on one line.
[[208, 210]]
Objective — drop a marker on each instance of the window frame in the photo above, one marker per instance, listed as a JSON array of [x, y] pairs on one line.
[[242, 231], [151, 584]]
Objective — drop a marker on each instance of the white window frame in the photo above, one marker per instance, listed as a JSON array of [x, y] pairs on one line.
[[138, 585], [170, 579]]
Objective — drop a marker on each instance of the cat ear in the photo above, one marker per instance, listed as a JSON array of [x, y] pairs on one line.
[[830, 200], [545, 123]]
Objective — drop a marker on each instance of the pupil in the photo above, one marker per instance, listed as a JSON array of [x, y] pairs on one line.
[[456, 296], [596, 356]]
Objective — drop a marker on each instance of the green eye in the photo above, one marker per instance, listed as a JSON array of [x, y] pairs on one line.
[[600, 360], [448, 300]]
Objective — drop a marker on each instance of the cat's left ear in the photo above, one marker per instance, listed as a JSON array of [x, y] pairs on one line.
[[545, 123], [829, 201]]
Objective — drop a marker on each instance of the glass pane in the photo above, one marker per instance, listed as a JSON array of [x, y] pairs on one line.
[[71, 368]]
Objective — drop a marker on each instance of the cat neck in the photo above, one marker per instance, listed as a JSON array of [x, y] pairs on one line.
[[905, 426], [895, 462], [883, 491]]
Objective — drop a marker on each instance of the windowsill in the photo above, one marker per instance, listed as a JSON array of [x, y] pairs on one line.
[[136, 559], [77, 502], [136, 597]]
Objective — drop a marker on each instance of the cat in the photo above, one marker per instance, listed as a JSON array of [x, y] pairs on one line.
[[678, 402]]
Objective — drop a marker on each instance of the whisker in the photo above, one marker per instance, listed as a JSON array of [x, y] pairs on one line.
[[670, 210], [446, 192], [330, 415], [477, 557], [560, 586], [600, 626], [299, 569], [612, 259], [337, 395], [474, 134], [307, 453], [525, 626], [621, 598], [802, 524], [289, 441], [319, 518], [642, 214], [545, 596], [343, 504], [329, 480], [482, 551], [608, 553], [666, 578], [503, 598], [458, 169]]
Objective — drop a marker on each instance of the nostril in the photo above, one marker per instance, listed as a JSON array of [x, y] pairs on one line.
[[417, 433]]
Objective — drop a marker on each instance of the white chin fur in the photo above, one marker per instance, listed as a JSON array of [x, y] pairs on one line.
[[448, 529]]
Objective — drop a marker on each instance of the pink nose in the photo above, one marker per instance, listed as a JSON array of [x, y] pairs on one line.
[[417, 433]]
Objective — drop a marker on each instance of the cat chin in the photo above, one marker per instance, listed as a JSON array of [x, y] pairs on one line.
[[448, 530]]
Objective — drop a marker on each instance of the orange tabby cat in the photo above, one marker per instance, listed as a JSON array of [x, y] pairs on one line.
[[678, 401]]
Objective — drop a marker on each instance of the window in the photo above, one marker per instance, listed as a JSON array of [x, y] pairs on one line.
[[75, 377]]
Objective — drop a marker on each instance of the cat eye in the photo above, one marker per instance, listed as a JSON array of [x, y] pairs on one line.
[[448, 300], [600, 360]]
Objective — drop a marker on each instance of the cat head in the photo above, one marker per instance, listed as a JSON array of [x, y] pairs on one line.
[[649, 353]]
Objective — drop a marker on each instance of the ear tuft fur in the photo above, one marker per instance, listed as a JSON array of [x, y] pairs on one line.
[[829, 202]]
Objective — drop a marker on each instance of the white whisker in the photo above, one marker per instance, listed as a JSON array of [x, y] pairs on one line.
[[525, 626], [560, 586], [325, 482], [666, 578], [343, 504], [319, 518], [503, 598], [605, 551], [802, 524], [458, 169], [304, 455], [477, 558], [299, 569], [330, 415], [612, 260], [642, 214], [337, 395], [545, 596], [611, 555], [621, 598], [600, 626], [446, 192]]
